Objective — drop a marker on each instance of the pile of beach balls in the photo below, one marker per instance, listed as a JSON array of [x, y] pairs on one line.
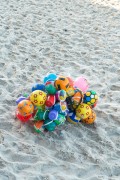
[[56, 100]]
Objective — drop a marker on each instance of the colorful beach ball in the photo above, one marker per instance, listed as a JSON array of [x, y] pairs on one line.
[[38, 97], [38, 87], [90, 97], [90, 119], [81, 83], [38, 126], [70, 91], [72, 118], [61, 95], [62, 83], [49, 125], [50, 77], [78, 97], [83, 111], [25, 107]]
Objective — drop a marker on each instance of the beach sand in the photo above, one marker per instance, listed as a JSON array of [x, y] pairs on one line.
[[73, 37]]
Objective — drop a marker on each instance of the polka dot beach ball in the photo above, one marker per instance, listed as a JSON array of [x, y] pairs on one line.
[[38, 97], [83, 111], [90, 119], [90, 97]]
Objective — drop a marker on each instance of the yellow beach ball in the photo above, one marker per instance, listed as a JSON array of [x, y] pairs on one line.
[[83, 111], [38, 97], [90, 119]]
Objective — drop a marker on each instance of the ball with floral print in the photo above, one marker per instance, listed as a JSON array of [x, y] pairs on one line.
[[83, 111], [38, 97], [90, 119]]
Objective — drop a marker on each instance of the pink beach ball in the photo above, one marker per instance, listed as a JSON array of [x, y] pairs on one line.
[[81, 83]]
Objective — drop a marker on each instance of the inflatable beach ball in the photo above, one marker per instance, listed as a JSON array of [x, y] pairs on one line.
[[72, 118], [78, 97], [62, 83], [38, 97], [83, 111], [25, 107], [70, 91], [50, 77], [61, 95], [90, 119], [81, 83], [49, 125], [22, 118], [38, 87], [90, 97], [38, 126]]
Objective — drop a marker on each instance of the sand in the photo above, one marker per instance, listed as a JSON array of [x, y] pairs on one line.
[[73, 37]]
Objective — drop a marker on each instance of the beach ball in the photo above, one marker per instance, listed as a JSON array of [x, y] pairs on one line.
[[38, 87], [22, 118], [38, 126], [70, 91], [41, 107], [72, 118], [81, 83], [61, 107], [25, 107], [90, 97], [61, 95], [39, 115], [83, 111], [62, 83], [21, 98], [70, 103], [49, 125], [38, 97], [50, 101], [50, 77], [77, 97], [90, 119], [50, 89]]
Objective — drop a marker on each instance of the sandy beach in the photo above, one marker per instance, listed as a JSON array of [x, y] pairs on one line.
[[73, 37]]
